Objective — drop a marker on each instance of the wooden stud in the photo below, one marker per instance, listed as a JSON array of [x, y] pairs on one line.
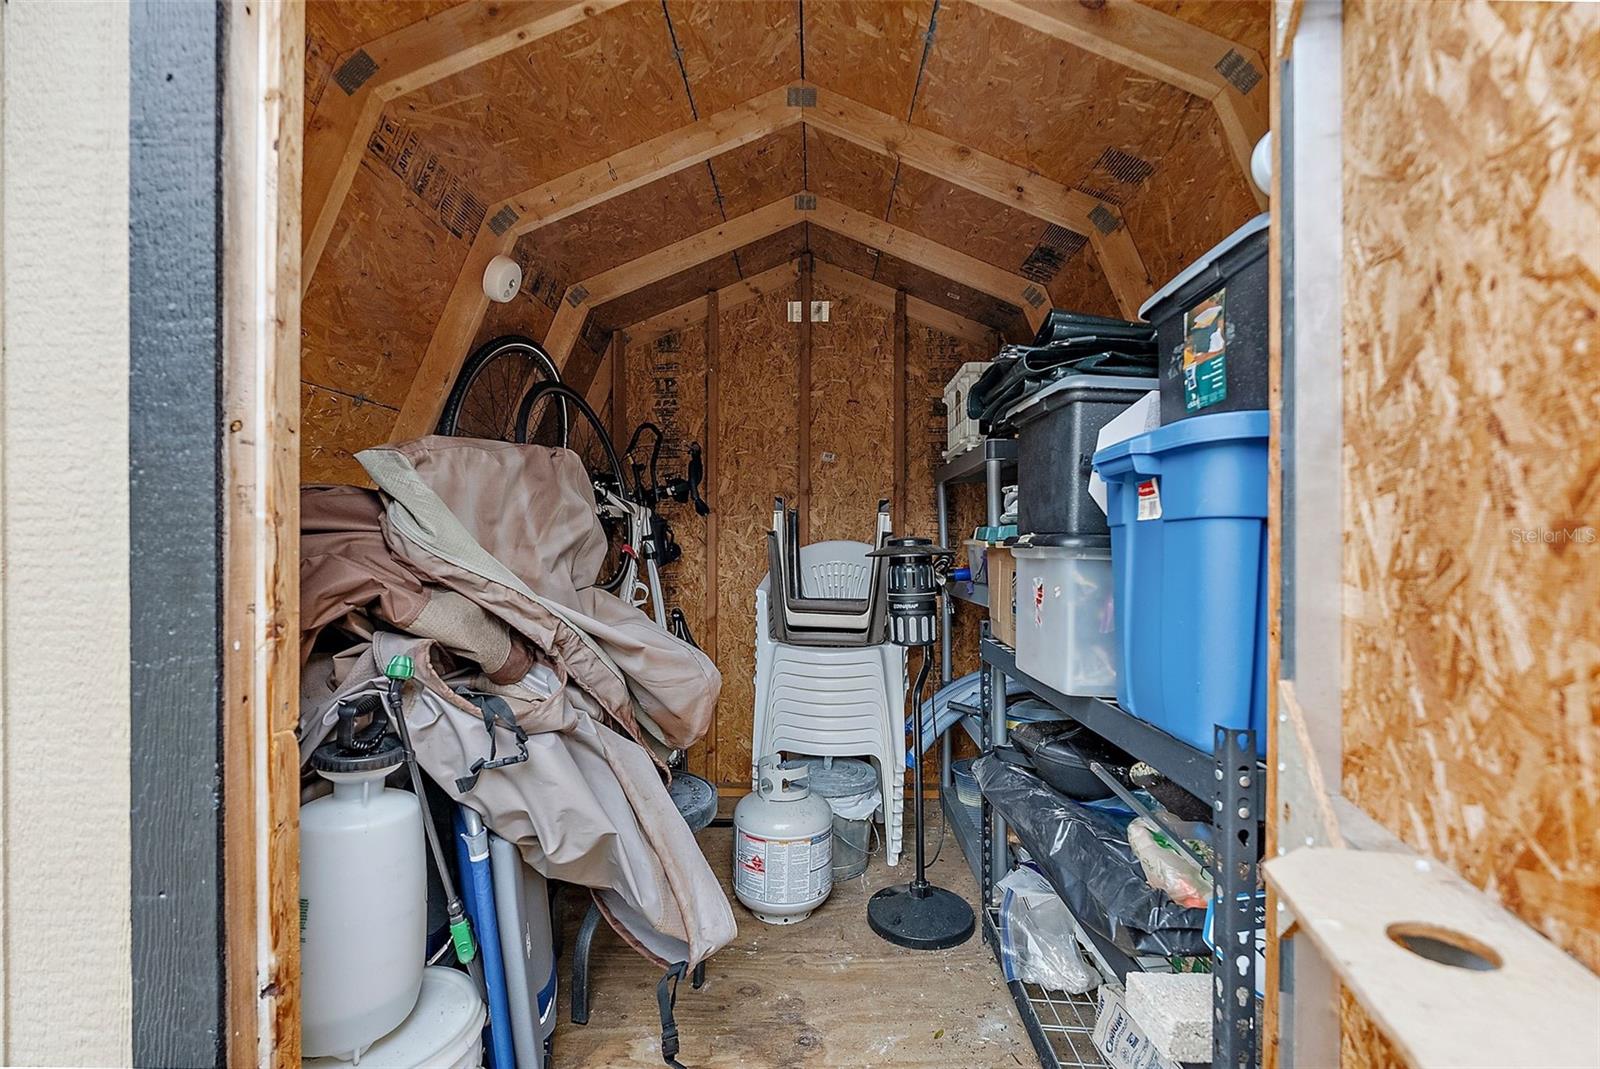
[[261, 541], [901, 326], [1177, 52], [398, 63], [803, 401], [711, 454], [619, 388]]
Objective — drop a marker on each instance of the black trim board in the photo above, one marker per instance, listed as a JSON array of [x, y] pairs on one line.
[[175, 527]]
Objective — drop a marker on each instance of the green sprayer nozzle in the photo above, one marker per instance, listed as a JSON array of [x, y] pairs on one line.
[[399, 667], [461, 936]]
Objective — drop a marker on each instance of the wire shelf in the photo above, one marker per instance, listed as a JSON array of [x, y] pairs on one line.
[[1060, 1025]]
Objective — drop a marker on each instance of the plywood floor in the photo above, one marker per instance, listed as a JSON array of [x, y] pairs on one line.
[[825, 992]]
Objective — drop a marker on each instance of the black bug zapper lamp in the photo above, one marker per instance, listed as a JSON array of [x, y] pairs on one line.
[[917, 915]]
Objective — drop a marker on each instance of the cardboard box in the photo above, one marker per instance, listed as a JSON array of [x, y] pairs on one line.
[[1119, 1039], [1003, 594]]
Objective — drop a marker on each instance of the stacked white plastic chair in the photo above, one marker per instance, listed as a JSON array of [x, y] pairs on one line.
[[834, 701]]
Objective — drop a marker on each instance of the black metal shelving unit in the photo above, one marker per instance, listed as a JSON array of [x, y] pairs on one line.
[[1230, 776]]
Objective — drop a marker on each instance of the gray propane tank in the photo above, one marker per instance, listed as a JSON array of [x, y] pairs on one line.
[[782, 846]]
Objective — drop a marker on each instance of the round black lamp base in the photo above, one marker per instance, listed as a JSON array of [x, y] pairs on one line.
[[920, 918]]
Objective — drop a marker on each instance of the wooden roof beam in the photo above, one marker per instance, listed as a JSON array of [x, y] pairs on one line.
[[763, 222], [1178, 53], [368, 77], [924, 312]]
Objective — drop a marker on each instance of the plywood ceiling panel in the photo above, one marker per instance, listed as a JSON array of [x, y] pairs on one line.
[[1040, 103], [761, 172], [668, 293], [846, 172], [869, 50], [964, 220], [1194, 200], [628, 226], [566, 100], [1247, 22], [733, 51]]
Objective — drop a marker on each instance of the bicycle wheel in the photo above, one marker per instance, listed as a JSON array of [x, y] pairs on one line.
[[493, 380], [554, 414]]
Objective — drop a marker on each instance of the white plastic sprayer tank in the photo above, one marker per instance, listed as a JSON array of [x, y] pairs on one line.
[[363, 910], [782, 846]]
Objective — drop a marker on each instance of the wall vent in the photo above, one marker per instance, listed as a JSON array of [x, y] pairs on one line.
[[354, 72], [1104, 219], [1238, 71], [1055, 248], [502, 219]]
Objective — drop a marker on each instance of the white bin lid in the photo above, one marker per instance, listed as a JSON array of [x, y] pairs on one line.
[[440, 1031]]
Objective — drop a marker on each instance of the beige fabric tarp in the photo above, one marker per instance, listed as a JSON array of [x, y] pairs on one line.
[[512, 531]]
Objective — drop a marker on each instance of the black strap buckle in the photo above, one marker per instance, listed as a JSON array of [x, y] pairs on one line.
[[666, 999], [493, 707]]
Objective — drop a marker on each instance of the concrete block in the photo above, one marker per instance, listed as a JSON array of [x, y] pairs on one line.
[[1174, 1011]]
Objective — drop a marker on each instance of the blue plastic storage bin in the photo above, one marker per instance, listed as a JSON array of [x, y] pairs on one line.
[[1187, 508]]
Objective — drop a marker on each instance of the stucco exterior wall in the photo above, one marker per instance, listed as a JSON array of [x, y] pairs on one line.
[[65, 988]]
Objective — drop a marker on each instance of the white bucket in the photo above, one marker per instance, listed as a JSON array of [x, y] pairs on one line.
[[444, 1031]]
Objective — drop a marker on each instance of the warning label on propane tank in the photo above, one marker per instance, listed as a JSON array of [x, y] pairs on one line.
[[782, 871]]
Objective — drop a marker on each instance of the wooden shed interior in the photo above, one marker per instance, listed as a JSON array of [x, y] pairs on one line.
[[672, 174]]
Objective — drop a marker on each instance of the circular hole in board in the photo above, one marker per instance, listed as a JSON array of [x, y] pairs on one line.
[[1446, 946]]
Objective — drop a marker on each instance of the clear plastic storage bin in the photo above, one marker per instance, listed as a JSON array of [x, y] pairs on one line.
[[1066, 630]]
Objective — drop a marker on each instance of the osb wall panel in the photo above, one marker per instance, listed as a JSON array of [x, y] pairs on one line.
[[343, 426], [732, 52], [852, 416], [566, 100], [665, 383], [869, 50], [1039, 102], [964, 220], [1081, 286], [369, 314], [761, 172], [932, 359], [1471, 417], [756, 461], [670, 292], [1196, 197]]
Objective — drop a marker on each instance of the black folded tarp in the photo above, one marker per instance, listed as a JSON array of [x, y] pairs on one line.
[[1084, 853], [1067, 344]]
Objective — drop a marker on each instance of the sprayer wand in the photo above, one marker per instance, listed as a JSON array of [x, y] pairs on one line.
[[398, 670]]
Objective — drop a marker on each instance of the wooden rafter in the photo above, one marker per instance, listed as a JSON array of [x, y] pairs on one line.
[[693, 313], [1178, 53], [693, 143], [368, 77], [763, 222], [917, 309]]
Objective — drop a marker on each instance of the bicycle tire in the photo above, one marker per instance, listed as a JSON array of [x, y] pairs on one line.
[[574, 416], [483, 402]]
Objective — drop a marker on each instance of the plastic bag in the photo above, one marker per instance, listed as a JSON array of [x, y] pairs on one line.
[[1038, 937], [1167, 868], [1084, 853]]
